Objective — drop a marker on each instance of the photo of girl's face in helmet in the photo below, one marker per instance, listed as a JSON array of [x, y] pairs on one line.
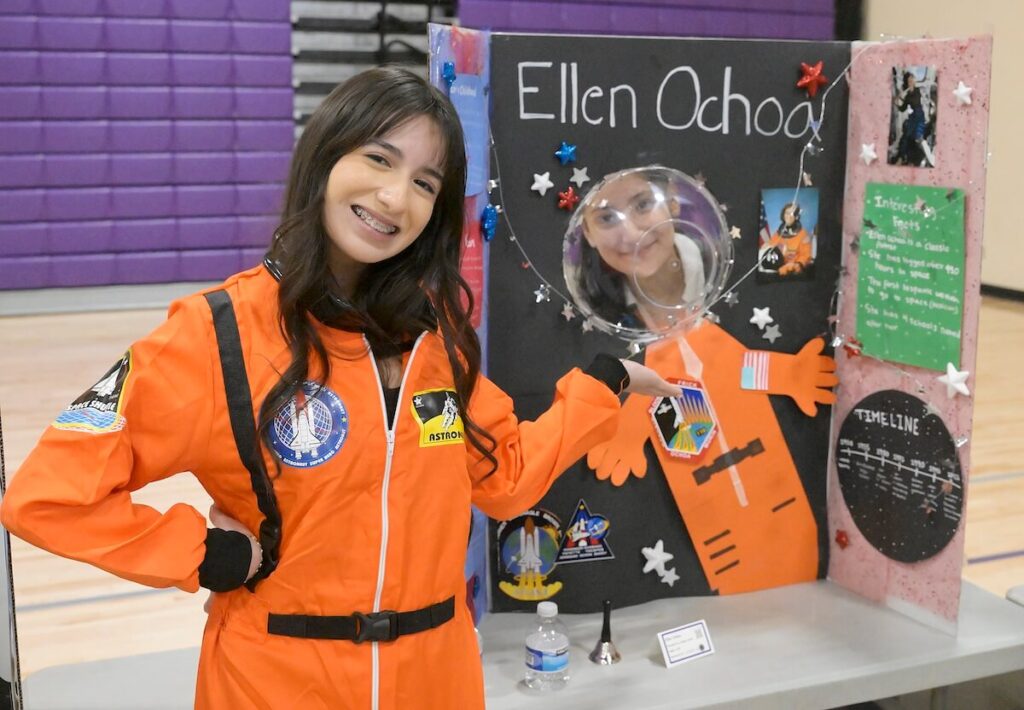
[[629, 223], [645, 252]]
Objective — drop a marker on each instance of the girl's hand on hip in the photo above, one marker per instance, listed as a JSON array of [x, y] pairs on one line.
[[224, 521]]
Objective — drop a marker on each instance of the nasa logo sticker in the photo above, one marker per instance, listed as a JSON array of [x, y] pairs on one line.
[[437, 413], [311, 428]]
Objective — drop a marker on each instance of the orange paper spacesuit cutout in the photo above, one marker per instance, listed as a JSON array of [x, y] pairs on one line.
[[743, 502]]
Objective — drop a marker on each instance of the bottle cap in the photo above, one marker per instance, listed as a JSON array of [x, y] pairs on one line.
[[547, 609]]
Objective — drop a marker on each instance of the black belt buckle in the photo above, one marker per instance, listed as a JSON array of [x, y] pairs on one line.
[[376, 626]]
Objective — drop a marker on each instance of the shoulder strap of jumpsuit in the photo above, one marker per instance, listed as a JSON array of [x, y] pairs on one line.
[[243, 426]]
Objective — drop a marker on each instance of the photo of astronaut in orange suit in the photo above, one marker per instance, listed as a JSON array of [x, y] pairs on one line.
[[787, 251]]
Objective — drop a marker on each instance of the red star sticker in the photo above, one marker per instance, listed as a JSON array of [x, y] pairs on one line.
[[842, 539], [853, 347], [812, 78], [567, 200]]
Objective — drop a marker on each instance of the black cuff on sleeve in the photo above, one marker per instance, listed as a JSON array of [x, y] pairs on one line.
[[609, 370], [226, 565]]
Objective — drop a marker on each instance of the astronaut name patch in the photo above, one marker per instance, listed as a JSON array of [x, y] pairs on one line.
[[437, 413], [98, 410], [311, 428]]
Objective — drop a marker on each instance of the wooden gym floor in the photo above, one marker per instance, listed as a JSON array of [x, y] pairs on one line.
[[68, 612]]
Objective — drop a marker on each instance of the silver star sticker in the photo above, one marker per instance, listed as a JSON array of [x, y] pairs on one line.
[[670, 577], [731, 298], [656, 558], [579, 176], [567, 312], [735, 232], [962, 92], [761, 317], [542, 183], [771, 333], [543, 293], [955, 381], [867, 153]]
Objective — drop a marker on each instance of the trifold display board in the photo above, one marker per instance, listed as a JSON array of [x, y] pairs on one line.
[[750, 479], [908, 311]]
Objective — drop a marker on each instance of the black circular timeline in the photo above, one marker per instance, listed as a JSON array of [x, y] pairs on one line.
[[900, 475]]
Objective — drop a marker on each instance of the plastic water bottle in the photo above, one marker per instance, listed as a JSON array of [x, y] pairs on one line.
[[547, 650]]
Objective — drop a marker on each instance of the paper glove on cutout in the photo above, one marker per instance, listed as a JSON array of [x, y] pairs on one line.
[[724, 455]]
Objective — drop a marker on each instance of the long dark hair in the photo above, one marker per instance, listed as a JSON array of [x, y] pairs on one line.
[[791, 230], [604, 288], [396, 299]]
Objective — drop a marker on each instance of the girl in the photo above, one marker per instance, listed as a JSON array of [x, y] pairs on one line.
[[330, 402]]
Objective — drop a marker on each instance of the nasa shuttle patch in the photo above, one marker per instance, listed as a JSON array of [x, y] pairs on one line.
[[311, 428], [98, 410], [437, 413]]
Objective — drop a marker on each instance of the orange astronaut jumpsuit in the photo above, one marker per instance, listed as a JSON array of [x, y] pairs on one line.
[[796, 251], [742, 500], [379, 524]]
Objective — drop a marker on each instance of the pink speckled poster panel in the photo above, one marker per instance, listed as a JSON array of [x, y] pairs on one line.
[[929, 590]]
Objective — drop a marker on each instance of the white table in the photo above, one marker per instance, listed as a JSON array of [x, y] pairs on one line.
[[806, 646]]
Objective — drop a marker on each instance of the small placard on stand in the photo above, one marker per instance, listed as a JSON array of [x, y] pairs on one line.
[[685, 643]]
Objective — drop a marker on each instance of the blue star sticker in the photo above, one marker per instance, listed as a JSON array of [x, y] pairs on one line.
[[566, 153], [448, 73], [489, 222]]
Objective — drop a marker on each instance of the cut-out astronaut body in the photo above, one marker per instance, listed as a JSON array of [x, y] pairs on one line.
[[647, 251], [741, 498]]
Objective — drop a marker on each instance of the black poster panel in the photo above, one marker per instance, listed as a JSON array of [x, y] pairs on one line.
[[727, 111]]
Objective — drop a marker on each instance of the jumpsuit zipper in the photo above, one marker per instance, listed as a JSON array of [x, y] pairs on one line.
[[695, 368], [389, 433]]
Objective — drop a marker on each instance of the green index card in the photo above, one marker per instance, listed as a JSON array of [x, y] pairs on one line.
[[910, 284]]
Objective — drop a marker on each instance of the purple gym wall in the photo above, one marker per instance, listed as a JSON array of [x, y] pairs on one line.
[[141, 141], [781, 19]]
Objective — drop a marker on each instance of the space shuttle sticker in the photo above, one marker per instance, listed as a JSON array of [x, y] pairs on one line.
[[585, 538], [685, 425], [437, 413], [527, 554], [311, 428], [98, 410]]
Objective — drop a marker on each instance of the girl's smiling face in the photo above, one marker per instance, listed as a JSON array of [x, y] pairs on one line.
[[380, 197], [628, 223]]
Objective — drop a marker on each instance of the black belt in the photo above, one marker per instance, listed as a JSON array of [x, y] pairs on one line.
[[359, 627], [730, 458]]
